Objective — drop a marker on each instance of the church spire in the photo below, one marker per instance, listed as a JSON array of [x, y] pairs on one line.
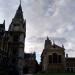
[[20, 2], [18, 20], [19, 13]]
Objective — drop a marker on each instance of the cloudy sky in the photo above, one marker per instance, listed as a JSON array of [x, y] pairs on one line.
[[53, 18]]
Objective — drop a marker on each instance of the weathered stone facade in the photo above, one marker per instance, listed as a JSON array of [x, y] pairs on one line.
[[12, 43], [53, 59], [70, 64]]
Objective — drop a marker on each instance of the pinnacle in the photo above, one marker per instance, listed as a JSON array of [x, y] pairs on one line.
[[20, 2], [47, 38], [19, 13]]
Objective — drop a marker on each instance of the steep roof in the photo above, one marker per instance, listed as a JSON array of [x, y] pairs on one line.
[[19, 13]]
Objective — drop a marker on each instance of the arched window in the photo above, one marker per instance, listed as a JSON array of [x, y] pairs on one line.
[[54, 58]]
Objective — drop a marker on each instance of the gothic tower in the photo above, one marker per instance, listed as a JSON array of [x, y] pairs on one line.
[[17, 36]]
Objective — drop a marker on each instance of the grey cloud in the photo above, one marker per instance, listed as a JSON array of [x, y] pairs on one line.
[[39, 40], [53, 18], [51, 25]]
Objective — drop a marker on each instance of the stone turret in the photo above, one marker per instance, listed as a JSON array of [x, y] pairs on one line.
[[17, 36], [48, 43]]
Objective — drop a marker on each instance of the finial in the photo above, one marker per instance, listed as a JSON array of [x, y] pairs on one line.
[[20, 2], [4, 22], [62, 46], [53, 41], [47, 38], [66, 55]]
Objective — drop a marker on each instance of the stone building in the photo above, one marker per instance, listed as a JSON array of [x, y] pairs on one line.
[[30, 63], [53, 59], [13, 60], [3, 52], [17, 33], [12, 43], [70, 64]]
